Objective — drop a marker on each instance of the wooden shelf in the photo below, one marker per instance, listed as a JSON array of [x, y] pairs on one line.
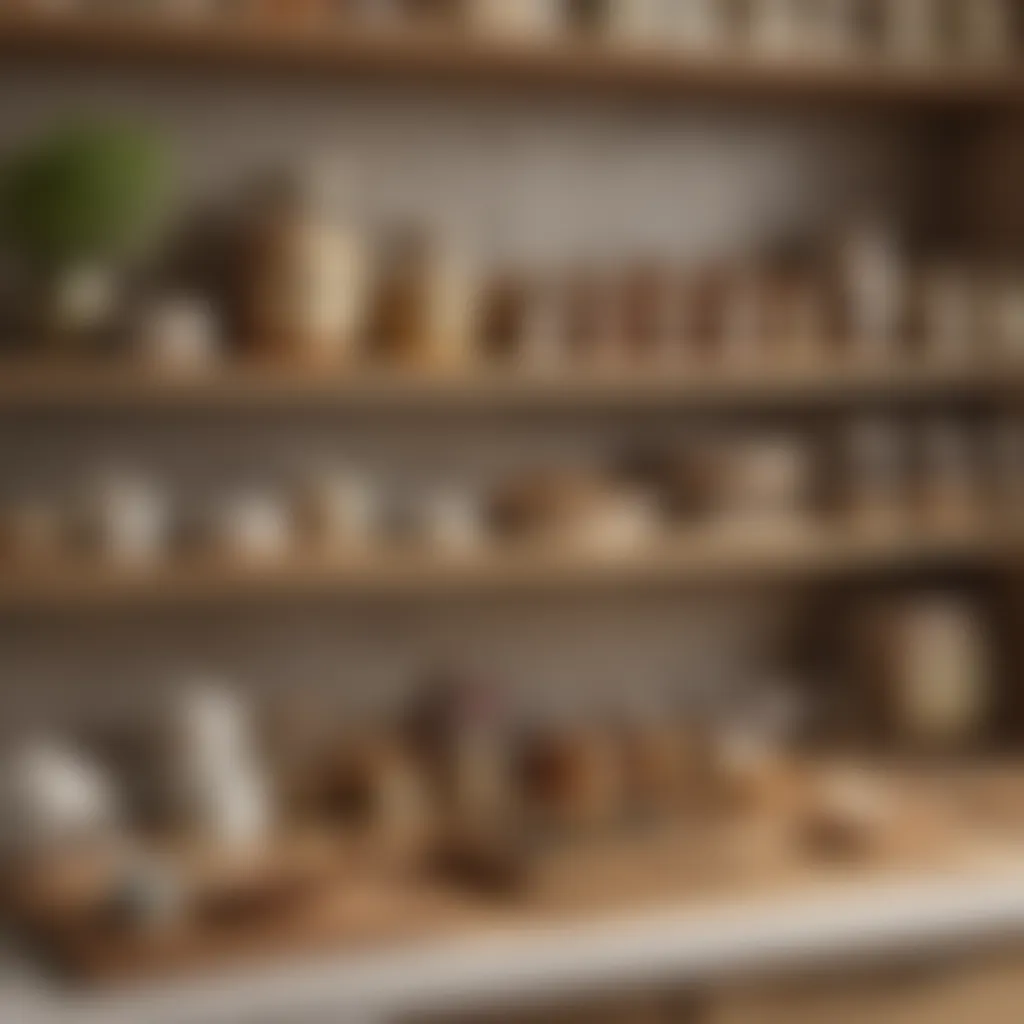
[[708, 559], [463, 56], [27, 386]]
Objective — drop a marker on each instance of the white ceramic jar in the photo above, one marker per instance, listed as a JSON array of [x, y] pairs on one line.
[[251, 527], [123, 519], [51, 798], [176, 333], [449, 521], [215, 784]]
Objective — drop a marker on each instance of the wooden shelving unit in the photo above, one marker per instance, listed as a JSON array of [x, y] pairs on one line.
[[700, 559], [693, 941], [468, 56], [26, 386]]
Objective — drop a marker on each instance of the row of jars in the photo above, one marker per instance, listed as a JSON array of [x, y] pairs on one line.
[[934, 474], [903, 30], [466, 758], [320, 294], [324, 293]]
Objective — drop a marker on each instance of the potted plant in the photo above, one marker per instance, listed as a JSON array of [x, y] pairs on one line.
[[76, 206]]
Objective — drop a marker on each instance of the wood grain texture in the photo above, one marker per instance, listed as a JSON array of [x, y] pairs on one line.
[[704, 558], [26, 385], [470, 57]]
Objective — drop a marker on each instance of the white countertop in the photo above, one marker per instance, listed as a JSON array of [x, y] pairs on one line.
[[676, 945]]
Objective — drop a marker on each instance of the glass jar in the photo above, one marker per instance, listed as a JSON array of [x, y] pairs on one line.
[[307, 279], [946, 313], [875, 477], [872, 291], [946, 485], [427, 310], [912, 30]]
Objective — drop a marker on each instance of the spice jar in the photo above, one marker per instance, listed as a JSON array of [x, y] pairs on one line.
[[523, 323], [573, 777], [762, 484], [699, 25], [830, 29], [742, 338], [871, 287], [945, 314], [651, 315], [427, 311], [1007, 463], [176, 334], [946, 486], [575, 510], [248, 526], [335, 511], [375, 784], [122, 519], [458, 727], [587, 19], [778, 27], [658, 760], [986, 30], [796, 317], [448, 521], [912, 30], [31, 531], [591, 318], [727, 317], [639, 23], [1002, 316], [847, 813], [523, 21], [306, 293], [874, 483]]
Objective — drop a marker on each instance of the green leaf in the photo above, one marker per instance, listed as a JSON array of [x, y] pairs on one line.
[[87, 190]]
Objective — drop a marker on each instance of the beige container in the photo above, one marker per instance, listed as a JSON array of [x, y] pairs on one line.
[[516, 20], [642, 23], [930, 670], [700, 26], [308, 282], [986, 30], [912, 30]]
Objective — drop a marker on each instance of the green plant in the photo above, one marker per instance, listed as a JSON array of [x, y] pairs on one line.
[[89, 190]]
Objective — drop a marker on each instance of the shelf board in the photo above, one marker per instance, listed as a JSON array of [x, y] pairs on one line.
[[27, 386], [464, 56], [703, 559]]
